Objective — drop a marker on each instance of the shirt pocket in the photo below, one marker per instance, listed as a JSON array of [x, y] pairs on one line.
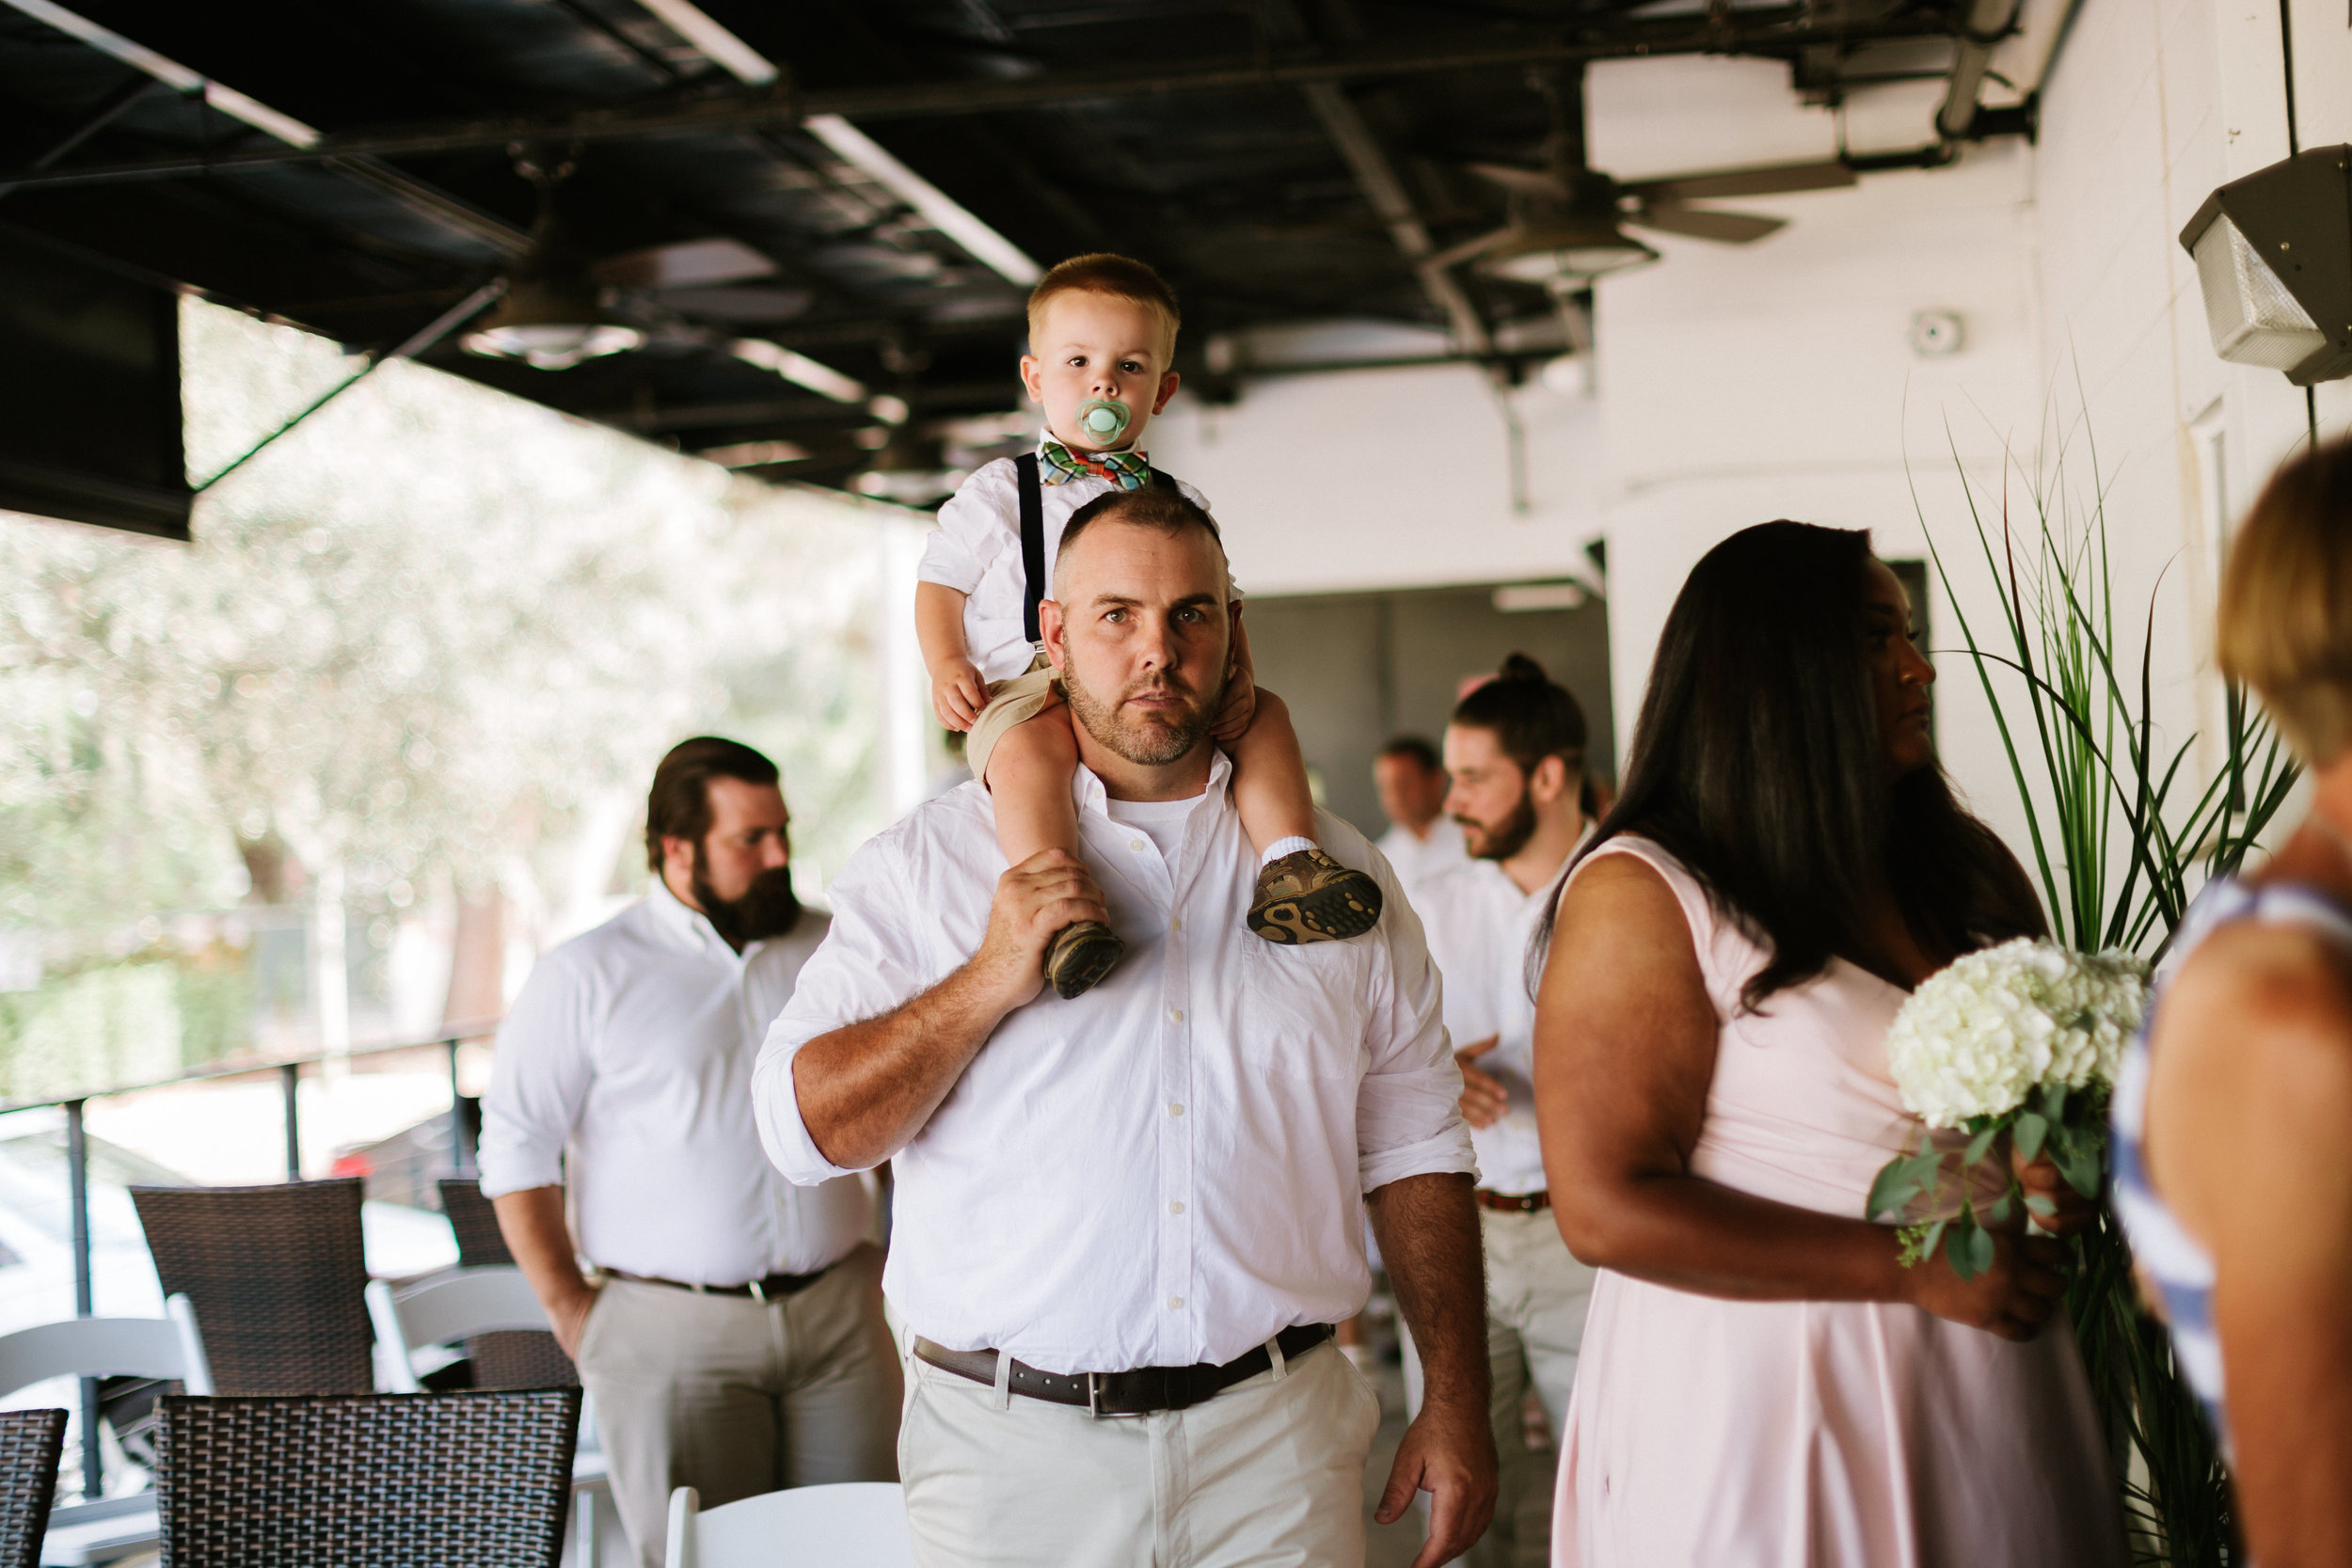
[[1306, 1009]]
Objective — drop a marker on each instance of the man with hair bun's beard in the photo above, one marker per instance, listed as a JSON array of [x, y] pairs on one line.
[[734, 1340], [1515, 747]]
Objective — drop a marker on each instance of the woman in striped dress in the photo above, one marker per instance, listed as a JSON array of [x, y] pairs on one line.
[[2233, 1113]]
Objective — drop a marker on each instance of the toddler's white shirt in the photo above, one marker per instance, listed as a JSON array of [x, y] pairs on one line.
[[976, 552]]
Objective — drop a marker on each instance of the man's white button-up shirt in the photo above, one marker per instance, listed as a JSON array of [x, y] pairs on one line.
[[976, 552], [1482, 927], [633, 1044], [1418, 859], [1168, 1169]]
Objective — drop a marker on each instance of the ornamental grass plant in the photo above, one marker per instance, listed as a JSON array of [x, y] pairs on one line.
[[2125, 828]]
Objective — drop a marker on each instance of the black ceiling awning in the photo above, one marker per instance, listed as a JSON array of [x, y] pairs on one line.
[[723, 171]]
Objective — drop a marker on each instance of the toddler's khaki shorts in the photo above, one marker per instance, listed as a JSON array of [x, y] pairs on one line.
[[1009, 702]]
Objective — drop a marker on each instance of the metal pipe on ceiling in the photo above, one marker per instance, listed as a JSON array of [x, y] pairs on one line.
[[1785, 32], [1375, 176], [1987, 22]]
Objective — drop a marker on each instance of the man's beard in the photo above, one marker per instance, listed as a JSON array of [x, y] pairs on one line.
[[768, 908], [1152, 743], [1505, 838]]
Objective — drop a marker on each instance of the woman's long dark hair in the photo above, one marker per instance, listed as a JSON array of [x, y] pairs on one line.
[[1757, 761]]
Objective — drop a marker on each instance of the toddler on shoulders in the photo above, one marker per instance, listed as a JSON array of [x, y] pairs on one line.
[[1102, 336]]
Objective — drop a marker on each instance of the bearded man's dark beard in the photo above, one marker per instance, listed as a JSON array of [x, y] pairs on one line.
[[1147, 745], [769, 908], [1505, 838]]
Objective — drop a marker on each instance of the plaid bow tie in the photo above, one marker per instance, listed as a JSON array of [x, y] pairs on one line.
[[1129, 471]]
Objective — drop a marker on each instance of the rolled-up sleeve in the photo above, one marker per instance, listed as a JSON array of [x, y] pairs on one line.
[[1408, 1110], [539, 1077], [867, 966]]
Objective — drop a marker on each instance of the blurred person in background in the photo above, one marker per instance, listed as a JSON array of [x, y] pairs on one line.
[[1422, 840], [2233, 1112], [1515, 748], [733, 1339]]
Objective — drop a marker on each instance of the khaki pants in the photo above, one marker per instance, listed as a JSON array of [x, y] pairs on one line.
[[1009, 702], [1536, 1294], [1268, 1473], [734, 1397]]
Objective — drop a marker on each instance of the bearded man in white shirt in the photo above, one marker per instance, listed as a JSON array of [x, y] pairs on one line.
[[1516, 750], [1125, 1222], [736, 1342]]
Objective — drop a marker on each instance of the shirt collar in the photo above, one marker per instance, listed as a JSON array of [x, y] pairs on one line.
[[1087, 788], [688, 923]]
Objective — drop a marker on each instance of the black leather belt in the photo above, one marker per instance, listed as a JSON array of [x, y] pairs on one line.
[[1144, 1391], [775, 1287]]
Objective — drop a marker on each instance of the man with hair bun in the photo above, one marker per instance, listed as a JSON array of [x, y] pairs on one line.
[[1516, 750]]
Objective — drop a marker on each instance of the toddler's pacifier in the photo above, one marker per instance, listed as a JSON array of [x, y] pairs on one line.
[[1103, 419]]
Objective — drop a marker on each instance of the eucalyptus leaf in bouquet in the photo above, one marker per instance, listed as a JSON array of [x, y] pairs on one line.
[[2022, 1040]]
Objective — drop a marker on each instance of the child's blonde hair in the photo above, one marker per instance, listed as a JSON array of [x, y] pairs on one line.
[[1120, 276], [2286, 601]]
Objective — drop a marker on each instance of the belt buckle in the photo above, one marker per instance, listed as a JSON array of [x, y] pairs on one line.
[[1094, 1401], [758, 1287]]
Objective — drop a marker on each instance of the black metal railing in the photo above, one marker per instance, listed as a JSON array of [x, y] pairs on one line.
[[289, 1071]]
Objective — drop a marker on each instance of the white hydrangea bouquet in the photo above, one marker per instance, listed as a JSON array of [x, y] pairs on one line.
[[2022, 1039]]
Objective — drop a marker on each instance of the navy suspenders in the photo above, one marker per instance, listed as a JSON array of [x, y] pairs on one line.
[[1033, 541]]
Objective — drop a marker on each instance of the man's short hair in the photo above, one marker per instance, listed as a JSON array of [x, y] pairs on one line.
[[1416, 748], [1532, 716], [1120, 276], [678, 805], [1158, 506]]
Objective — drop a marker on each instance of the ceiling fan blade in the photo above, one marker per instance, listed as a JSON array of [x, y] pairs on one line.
[[1702, 223], [682, 266], [1525, 182], [1772, 179], [1453, 255]]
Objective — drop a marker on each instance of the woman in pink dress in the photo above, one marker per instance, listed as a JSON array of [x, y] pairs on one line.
[[1764, 1384]]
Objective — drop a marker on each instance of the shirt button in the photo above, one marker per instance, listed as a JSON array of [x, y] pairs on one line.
[[1175, 1108], [1134, 844], [1174, 1302], [1176, 1208], [1176, 1015], [1176, 924]]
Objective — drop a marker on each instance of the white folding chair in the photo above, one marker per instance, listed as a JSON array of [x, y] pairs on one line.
[[452, 1306], [856, 1525], [447, 1309], [165, 1347]]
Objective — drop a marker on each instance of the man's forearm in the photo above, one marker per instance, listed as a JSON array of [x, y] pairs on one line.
[[532, 1223], [864, 1090], [1427, 1228]]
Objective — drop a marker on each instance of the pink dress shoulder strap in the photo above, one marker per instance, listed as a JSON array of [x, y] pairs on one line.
[[1726, 955]]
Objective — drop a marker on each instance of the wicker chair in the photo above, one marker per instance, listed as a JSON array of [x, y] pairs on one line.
[[507, 1358], [31, 1442], [275, 1273], [390, 1481]]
